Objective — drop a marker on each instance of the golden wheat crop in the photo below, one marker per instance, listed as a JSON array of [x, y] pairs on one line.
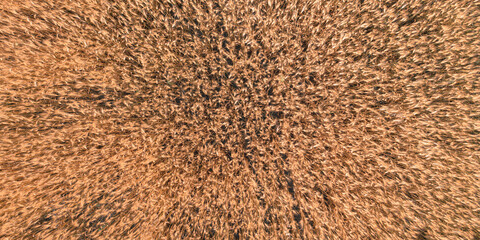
[[328, 119]]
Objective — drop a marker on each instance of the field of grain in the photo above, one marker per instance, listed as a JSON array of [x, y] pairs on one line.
[[220, 119]]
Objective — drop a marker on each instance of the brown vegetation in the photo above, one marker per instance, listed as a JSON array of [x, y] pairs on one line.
[[141, 119]]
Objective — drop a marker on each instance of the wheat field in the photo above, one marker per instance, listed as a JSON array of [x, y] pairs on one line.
[[220, 119]]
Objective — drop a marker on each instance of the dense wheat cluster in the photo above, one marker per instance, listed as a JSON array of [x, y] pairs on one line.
[[145, 119]]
